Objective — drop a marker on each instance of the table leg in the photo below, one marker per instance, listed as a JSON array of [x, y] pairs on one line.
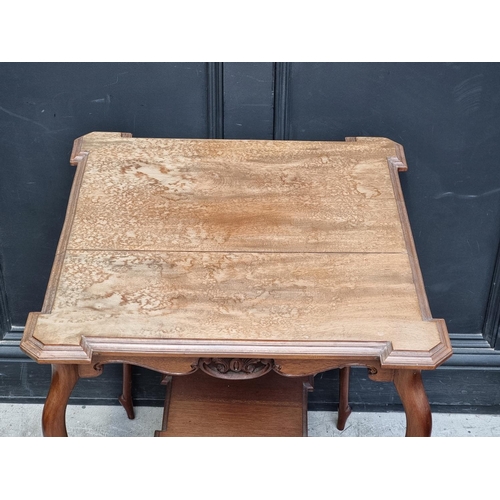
[[126, 397], [64, 378], [412, 393], [344, 408], [167, 381]]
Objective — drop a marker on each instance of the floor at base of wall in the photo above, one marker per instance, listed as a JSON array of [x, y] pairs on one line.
[[24, 420]]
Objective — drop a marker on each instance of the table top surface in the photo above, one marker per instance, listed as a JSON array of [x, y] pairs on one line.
[[196, 247]]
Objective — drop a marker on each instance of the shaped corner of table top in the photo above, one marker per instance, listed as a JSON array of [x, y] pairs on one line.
[[93, 140], [395, 151], [245, 241]]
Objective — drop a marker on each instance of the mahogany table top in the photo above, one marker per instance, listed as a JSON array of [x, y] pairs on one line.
[[206, 247]]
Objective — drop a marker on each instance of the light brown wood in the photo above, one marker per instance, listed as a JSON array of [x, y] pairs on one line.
[[206, 195], [201, 405], [237, 296], [297, 253], [279, 241]]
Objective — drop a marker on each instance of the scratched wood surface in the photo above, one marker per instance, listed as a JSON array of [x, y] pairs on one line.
[[236, 241]]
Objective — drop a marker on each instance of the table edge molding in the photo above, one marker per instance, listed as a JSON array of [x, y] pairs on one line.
[[123, 349], [356, 351]]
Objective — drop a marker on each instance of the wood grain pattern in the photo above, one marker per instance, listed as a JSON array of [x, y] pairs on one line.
[[240, 296], [227, 195], [200, 405], [199, 248]]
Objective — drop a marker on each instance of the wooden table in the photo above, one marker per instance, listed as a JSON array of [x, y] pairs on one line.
[[249, 265]]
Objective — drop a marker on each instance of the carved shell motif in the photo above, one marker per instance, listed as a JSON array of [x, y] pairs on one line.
[[235, 368]]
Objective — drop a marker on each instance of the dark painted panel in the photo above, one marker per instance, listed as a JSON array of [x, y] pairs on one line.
[[28, 382], [248, 100], [460, 391], [454, 391], [281, 100], [43, 108], [215, 100], [492, 320], [447, 116], [4, 308]]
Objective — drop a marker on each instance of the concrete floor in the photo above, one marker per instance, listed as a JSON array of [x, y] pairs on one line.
[[17, 420]]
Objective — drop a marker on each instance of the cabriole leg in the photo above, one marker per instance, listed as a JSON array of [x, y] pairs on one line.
[[412, 393], [64, 378]]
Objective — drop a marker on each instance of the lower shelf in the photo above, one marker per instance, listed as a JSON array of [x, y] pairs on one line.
[[201, 405]]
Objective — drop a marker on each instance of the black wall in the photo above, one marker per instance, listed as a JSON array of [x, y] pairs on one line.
[[447, 117]]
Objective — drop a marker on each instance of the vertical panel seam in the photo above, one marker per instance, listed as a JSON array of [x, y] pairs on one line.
[[492, 316], [281, 125], [5, 323], [215, 100]]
